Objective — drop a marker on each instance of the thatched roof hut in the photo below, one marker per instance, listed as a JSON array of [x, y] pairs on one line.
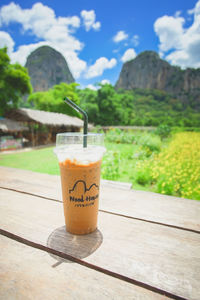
[[7, 125], [44, 125], [44, 117]]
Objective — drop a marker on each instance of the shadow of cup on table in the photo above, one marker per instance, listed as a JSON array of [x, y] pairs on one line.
[[79, 246]]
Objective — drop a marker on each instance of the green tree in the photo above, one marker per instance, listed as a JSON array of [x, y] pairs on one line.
[[102, 106], [126, 109], [88, 102], [14, 83], [41, 101], [109, 105], [53, 99]]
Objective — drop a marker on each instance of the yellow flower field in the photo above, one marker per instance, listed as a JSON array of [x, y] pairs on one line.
[[176, 169]]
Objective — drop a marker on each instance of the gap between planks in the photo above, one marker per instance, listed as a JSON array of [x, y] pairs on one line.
[[89, 265], [108, 212]]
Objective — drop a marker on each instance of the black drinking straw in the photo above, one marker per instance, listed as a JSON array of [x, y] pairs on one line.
[[85, 117]]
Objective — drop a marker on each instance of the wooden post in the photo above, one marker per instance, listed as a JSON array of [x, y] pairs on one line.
[[36, 135], [49, 135], [32, 134]]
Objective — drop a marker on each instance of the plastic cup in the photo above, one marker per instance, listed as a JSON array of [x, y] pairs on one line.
[[80, 179]]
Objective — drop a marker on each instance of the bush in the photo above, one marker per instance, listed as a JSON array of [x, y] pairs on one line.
[[163, 131], [149, 142], [165, 186], [110, 165], [175, 170], [143, 176], [118, 136]]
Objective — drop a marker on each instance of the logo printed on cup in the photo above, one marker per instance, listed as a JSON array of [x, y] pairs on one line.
[[88, 196]]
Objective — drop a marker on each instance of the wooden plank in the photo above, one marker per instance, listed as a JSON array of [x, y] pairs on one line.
[[138, 204], [163, 257], [28, 273], [152, 207], [31, 182], [116, 184]]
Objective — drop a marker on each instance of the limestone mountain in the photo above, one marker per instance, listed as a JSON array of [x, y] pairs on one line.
[[148, 71], [47, 67]]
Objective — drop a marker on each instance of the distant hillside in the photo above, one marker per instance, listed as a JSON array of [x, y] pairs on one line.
[[47, 67], [148, 71]]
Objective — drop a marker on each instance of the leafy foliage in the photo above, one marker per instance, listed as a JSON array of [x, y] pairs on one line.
[[119, 136], [111, 165], [89, 103], [14, 83], [140, 107], [52, 100], [163, 131]]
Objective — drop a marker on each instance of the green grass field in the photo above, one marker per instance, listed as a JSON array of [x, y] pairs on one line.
[[41, 160], [170, 167], [118, 163], [45, 161]]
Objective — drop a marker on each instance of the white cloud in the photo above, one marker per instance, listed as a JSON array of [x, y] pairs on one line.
[[177, 13], [105, 81], [195, 10], [69, 21], [41, 22], [180, 45], [135, 40], [120, 36], [99, 66], [89, 18], [92, 87], [128, 55], [6, 41], [39, 19], [161, 54], [170, 30], [97, 26]]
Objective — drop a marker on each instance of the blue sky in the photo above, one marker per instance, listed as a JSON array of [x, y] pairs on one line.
[[97, 37]]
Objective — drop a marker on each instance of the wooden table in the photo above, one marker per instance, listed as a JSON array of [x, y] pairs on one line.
[[147, 245]]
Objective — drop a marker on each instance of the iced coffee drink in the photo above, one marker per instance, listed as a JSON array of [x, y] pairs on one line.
[[80, 178]]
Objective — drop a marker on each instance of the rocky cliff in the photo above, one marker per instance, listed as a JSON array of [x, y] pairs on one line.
[[148, 71], [47, 67]]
